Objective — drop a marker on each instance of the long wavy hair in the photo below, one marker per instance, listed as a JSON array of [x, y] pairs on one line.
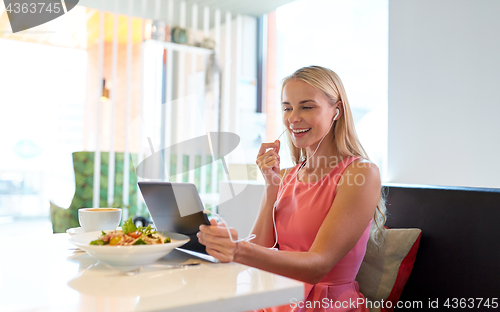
[[345, 138]]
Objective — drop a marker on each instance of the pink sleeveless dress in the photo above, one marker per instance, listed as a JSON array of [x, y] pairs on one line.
[[299, 215]]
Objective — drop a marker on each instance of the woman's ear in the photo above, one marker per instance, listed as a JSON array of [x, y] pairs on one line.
[[340, 109]]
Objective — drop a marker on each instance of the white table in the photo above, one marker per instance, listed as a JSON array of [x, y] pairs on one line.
[[39, 273]]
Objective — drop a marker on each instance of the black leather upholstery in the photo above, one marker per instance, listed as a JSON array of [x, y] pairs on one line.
[[459, 254]]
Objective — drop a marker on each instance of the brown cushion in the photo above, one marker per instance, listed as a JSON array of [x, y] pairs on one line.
[[385, 270]]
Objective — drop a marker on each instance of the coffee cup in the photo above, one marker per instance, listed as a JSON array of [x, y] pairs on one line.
[[99, 219]]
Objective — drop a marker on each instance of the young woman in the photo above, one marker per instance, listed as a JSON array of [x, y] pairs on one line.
[[320, 213]]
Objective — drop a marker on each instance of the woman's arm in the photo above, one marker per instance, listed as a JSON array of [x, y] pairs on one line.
[[268, 162], [351, 211], [263, 227]]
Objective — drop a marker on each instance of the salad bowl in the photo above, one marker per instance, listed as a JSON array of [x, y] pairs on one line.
[[134, 255]]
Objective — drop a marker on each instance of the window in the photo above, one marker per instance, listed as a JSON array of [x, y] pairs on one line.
[[349, 37], [41, 122]]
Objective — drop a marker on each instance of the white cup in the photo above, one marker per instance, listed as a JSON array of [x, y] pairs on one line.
[[99, 219]]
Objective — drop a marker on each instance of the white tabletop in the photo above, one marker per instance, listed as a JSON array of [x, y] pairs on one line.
[[39, 273]]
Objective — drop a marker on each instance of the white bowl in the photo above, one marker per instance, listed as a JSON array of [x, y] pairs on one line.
[[127, 255]]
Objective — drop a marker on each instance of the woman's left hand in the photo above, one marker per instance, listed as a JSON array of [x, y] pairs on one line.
[[217, 241]]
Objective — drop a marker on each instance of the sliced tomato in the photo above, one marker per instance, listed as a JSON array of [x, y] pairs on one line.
[[115, 240], [135, 234]]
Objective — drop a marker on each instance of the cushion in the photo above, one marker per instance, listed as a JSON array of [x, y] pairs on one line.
[[385, 270]]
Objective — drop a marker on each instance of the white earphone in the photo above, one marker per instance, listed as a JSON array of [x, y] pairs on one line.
[[280, 194]]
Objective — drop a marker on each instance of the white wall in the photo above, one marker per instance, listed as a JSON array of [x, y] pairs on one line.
[[444, 99], [240, 212]]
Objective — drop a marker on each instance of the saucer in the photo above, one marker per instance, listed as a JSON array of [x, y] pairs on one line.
[[74, 231], [79, 230]]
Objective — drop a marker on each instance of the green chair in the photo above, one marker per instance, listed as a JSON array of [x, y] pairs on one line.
[[83, 164]]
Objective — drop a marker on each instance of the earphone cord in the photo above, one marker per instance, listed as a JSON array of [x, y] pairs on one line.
[[280, 194], [246, 239]]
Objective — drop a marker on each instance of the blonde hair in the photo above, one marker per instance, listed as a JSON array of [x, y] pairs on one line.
[[345, 138]]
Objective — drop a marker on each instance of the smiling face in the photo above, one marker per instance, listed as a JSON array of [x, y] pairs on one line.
[[307, 114]]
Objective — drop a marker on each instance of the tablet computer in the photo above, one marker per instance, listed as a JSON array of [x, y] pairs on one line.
[[177, 207]]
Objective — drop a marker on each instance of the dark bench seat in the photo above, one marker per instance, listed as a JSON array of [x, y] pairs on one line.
[[459, 254]]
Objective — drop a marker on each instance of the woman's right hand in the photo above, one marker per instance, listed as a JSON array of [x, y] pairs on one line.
[[269, 162]]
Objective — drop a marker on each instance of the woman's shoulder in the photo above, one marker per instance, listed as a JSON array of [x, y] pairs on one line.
[[361, 162], [364, 170]]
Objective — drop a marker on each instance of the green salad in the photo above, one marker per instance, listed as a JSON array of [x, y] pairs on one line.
[[131, 235]]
